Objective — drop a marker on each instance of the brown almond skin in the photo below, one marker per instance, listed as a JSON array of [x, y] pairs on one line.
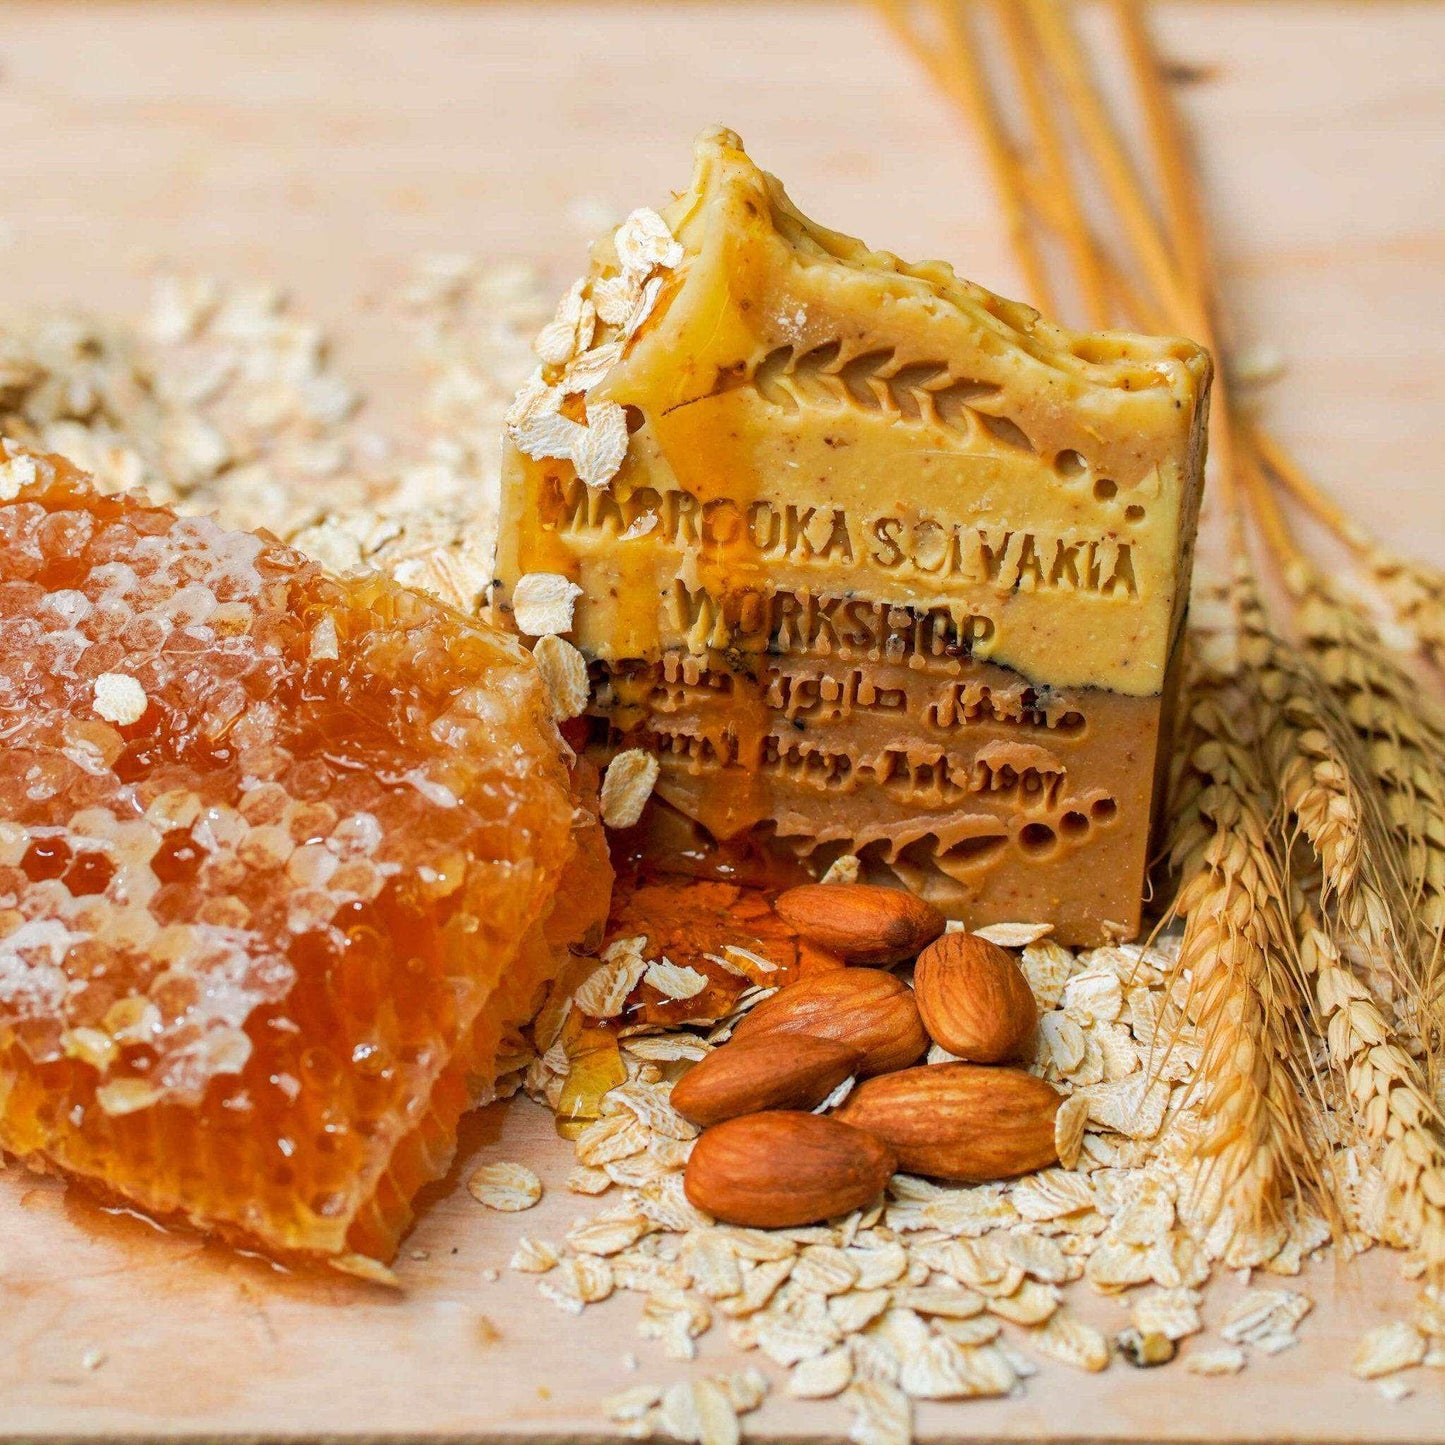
[[747, 1076], [870, 1011], [974, 999], [778, 1169], [959, 1121], [861, 923]]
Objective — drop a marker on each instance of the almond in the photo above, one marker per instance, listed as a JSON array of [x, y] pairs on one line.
[[870, 1011], [775, 1170], [749, 1075], [974, 999], [959, 1121], [860, 922]]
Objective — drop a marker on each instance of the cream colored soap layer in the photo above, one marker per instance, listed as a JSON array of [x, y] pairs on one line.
[[819, 422]]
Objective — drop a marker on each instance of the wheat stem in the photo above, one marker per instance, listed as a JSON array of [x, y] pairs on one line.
[[1388, 1094], [956, 71], [1088, 267], [1414, 591], [1401, 736], [1238, 955], [1056, 35], [1287, 470]]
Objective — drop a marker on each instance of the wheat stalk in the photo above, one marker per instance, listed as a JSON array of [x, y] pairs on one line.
[[1403, 738], [1338, 786], [1238, 956], [1324, 782], [1389, 1096], [1416, 596], [1414, 591]]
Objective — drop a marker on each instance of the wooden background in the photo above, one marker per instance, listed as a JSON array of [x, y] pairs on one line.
[[324, 146]]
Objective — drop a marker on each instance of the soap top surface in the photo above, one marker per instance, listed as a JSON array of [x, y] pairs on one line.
[[807, 416]]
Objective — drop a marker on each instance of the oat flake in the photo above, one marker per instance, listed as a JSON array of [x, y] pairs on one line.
[[626, 787], [507, 1187]]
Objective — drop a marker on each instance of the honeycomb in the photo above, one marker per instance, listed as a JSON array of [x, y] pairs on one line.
[[282, 861]]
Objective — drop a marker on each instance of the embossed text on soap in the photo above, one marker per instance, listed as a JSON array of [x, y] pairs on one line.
[[1000, 556]]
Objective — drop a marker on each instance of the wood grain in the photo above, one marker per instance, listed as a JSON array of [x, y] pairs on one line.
[[323, 146]]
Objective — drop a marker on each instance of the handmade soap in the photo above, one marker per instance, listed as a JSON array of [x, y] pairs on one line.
[[874, 560], [282, 859]]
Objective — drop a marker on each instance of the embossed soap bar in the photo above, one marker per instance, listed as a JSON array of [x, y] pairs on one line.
[[874, 560]]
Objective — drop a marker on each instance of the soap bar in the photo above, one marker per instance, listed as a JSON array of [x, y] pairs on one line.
[[875, 561]]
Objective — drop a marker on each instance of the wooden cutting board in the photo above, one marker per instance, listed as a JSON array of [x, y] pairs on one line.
[[325, 146]]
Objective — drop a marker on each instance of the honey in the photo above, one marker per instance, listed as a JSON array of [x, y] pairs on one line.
[[282, 860]]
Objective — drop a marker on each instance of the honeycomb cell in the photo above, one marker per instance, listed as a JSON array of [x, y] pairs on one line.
[[261, 934]]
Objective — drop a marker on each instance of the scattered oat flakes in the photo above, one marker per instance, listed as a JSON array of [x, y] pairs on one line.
[[534, 1256], [980, 1330], [604, 992], [674, 980], [837, 1096], [937, 1370], [1134, 1107], [1261, 1315], [362, 1266], [584, 1180], [1030, 1304], [570, 329], [843, 869], [1067, 1338], [604, 1236], [714, 1266], [1093, 996], [666, 1048], [1053, 1194], [632, 1405], [644, 243], [507, 1187], [1386, 1349], [626, 787], [858, 1308], [543, 431], [542, 603], [826, 1270], [1170, 1312], [717, 1421], [1047, 966], [1069, 1122], [882, 1413], [564, 670], [577, 1282], [1222, 1360], [750, 963], [1014, 935], [823, 1376], [598, 450]]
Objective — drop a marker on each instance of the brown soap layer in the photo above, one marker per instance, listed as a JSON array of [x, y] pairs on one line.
[[996, 799]]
